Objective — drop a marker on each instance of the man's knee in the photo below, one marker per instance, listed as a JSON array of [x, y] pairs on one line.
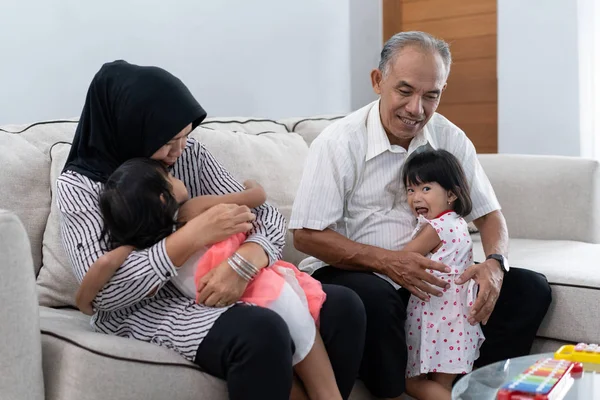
[[346, 306], [532, 286], [526, 297]]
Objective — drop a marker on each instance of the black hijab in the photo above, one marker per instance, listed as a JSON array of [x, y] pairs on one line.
[[130, 111]]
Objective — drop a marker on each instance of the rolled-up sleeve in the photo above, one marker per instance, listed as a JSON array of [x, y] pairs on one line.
[[268, 229], [143, 273]]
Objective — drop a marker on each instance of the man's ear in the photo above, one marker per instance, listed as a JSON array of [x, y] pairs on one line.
[[376, 77]]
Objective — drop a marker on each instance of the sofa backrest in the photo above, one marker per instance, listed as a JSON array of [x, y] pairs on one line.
[[547, 197], [565, 203], [34, 154]]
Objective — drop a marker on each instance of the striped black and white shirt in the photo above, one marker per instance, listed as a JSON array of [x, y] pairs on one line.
[[123, 307], [352, 181]]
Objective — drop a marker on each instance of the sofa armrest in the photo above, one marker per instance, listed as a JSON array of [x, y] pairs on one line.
[[21, 354], [547, 197]]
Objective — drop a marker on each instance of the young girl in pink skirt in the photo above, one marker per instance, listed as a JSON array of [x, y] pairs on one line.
[[441, 342], [281, 287]]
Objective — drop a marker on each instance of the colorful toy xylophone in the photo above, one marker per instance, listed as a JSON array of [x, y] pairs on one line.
[[547, 379], [587, 354]]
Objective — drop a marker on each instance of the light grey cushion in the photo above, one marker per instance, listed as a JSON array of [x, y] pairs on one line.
[[275, 160], [95, 366], [542, 345], [21, 353], [572, 271], [80, 364], [25, 181], [56, 282], [25, 186], [310, 128], [244, 124], [547, 197]]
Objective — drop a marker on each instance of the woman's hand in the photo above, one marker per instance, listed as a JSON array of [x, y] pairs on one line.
[[220, 287], [220, 222]]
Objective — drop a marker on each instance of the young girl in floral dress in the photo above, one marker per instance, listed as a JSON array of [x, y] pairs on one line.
[[441, 342]]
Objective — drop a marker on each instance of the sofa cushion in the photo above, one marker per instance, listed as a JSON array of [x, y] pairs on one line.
[[95, 366], [248, 125], [25, 181], [282, 153], [19, 319], [570, 268], [309, 128], [56, 282], [547, 197], [275, 160], [24, 185]]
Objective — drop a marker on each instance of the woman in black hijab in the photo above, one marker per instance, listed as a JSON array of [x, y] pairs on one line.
[[133, 111]]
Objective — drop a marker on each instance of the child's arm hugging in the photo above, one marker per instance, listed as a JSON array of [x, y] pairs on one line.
[[252, 196], [98, 275], [426, 241]]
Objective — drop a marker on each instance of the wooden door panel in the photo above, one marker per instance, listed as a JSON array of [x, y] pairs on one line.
[[455, 28], [443, 9], [470, 27]]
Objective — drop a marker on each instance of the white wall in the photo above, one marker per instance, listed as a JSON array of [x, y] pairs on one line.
[[366, 40], [538, 77], [265, 58]]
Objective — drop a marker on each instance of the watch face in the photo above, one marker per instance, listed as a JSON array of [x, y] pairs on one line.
[[505, 263]]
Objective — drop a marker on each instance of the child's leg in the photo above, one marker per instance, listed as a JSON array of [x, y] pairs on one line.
[[446, 380], [316, 373], [298, 391], [422, 388], [312, 363]]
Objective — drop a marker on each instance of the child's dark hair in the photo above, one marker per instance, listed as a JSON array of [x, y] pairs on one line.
[[137, 204], [443, 168]]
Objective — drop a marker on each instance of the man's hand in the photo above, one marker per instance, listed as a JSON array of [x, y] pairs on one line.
[[409, 270], [489, 277]]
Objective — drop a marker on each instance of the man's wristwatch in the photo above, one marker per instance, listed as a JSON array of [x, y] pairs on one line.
[[501, 259]]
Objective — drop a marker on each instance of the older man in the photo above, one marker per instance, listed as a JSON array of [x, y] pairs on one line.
[[349, 215]]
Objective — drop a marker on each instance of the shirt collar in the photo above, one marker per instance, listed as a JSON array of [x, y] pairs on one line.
[[378, 142]]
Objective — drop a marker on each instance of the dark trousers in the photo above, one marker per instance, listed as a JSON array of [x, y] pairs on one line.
[[524, 299], [251, 348]]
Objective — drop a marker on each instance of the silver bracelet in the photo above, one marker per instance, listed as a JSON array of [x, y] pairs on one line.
[[244, 264], [238, 270]]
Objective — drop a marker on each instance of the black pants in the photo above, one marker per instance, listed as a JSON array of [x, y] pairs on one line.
[[251, 348], [524, 299]]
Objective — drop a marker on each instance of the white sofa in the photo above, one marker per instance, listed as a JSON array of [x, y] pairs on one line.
[[552, 205]]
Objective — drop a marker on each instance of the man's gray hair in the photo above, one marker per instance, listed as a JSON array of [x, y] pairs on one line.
[[413, 38]]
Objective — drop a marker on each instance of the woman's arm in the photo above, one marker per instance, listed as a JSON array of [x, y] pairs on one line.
[[268, 230]]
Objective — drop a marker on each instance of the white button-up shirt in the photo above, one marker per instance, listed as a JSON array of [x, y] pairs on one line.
[[352, 181]]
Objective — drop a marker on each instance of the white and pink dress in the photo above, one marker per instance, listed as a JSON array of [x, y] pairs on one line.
[[438, 336], [294, 295]]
